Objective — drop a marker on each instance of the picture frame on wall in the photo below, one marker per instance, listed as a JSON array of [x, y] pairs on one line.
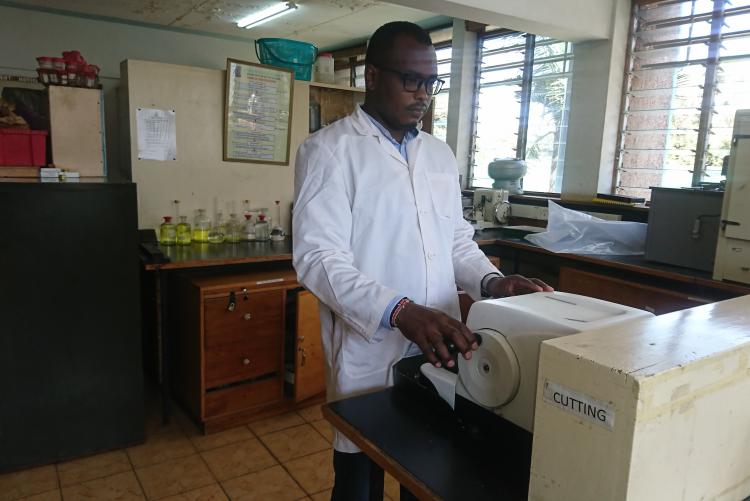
[[257, 113]]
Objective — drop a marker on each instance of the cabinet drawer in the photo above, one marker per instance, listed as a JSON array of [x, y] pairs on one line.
[[644, 297], [242, 397], [236, 362], [260, 314], [737, 260]]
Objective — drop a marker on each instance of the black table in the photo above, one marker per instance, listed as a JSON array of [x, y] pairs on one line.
[[422, 445]]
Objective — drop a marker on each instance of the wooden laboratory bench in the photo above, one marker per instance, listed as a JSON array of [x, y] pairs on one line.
[[231, 321], [628, 280]]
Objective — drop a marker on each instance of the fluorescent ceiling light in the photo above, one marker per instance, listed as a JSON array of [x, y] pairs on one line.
[[264, 15]]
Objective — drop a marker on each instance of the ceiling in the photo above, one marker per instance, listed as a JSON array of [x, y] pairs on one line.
[[329, 24]]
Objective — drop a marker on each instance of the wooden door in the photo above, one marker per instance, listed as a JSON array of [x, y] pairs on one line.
[[309, 366]]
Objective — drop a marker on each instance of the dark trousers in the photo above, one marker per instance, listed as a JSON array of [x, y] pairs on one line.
[[358, 478]]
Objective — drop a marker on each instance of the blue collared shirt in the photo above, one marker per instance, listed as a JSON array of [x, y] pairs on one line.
[[401, 147]]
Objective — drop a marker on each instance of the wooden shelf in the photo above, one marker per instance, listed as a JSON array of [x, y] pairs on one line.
[[337, 87]]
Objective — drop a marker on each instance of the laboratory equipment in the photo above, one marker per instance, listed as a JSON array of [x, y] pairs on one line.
[[261, 229], [733, 248], [183, 231], [277, 232], [201, 227], [218, 231], [249, 228], [491, 208], [234, 229], [507, 173], [685, 219], [167, 232], [501, 375]]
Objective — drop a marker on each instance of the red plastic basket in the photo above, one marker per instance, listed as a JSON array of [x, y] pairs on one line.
[[21, 147]]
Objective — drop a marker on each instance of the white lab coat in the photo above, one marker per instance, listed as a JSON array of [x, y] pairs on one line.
[[368, 227]]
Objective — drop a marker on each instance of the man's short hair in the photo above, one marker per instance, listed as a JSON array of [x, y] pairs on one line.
[[381, 42]]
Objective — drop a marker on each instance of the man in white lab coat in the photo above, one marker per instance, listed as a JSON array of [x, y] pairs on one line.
[[380, 239]]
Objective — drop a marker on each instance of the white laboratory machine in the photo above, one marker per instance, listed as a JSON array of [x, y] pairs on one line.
[[491, 208], [502, 374], [733, 248]]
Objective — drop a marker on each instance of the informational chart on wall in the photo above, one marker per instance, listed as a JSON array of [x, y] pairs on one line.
[[157, 135], [258, 109]]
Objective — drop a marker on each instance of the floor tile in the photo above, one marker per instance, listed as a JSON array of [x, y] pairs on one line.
[[27, 482], [226, 437], [159, 448], [276, 423], [271, 484], [324, 428], [209, 493], [294, 442], [55, 495], [238, 459], [323, 496], [312, 413], [174, 476], [314, 472], [120, 487], [90, 468]]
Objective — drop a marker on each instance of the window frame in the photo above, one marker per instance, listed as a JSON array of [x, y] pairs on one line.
[[720, 12], [525, 92]]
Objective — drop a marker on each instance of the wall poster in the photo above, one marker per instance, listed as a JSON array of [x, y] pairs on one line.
[[257, 113]]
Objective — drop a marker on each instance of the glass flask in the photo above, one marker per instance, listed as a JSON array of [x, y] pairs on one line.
[[218, 231], [234, 229], [261, 229], [249, 229], [184, 236], [201, 227], [167, 232]]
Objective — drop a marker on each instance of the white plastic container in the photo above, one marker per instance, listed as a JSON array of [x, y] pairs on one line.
[[324, 68]]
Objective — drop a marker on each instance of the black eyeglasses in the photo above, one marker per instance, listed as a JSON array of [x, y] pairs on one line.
[[432, 84]]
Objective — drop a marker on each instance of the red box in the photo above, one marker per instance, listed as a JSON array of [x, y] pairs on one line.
[[21, 147]]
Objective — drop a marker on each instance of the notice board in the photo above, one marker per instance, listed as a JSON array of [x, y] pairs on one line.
[[257, 113]]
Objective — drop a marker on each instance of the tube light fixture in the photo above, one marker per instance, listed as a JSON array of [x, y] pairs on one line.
[[265, 15]]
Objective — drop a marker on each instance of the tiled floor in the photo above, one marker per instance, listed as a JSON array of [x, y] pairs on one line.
[[283, 458]]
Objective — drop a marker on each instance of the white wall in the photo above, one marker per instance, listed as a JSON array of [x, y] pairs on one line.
[[26, 34], [571, 20], [199, 178], [596, 97]]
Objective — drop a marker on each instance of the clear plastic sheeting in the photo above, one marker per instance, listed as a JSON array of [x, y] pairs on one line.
[[576, 232]]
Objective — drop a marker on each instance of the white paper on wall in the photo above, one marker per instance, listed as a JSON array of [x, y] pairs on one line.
[[157, 135]]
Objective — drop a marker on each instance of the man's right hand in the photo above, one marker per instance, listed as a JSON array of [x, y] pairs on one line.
[[433, 331]]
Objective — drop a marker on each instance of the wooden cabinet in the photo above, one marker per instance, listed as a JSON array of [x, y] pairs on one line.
[[309, 365], [335, 101], [645, 297], [230, 345]]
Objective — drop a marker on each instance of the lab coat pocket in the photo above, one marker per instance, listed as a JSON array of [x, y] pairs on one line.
[[443, 190], [363, 358]]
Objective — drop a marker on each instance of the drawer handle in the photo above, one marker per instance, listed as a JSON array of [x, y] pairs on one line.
[[247, 316], [232, 302], [245, 361]]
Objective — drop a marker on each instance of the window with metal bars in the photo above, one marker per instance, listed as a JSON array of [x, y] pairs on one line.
[[688, 72], [522, 103]]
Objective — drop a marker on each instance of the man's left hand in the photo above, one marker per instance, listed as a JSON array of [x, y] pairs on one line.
[[514, 285]]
